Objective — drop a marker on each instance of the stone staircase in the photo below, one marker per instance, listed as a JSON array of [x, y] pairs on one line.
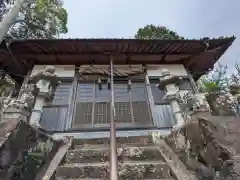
[[138, 157]]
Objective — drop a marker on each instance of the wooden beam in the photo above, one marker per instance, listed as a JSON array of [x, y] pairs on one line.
[[102, 59], [106, 53], [79, 63], [192, 59], [127, 58], [163, 58], [19, 65]]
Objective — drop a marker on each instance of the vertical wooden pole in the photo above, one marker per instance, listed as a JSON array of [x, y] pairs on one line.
[[113, 146]]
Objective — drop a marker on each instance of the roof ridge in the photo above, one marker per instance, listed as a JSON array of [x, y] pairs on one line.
[[125, 39]]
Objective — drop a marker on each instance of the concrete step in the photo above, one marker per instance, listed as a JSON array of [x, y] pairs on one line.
[[127, 170], [64, 178], [101, 154], [132, 140]]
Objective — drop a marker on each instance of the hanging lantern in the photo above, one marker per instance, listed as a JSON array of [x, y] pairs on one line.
[[109, 83], [99, 83], [129, 84]]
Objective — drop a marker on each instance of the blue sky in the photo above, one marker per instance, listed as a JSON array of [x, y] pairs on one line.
[[190, 18]]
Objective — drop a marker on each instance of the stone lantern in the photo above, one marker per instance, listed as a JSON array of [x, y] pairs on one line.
[[235, 91], [170, 83], [46, 82]]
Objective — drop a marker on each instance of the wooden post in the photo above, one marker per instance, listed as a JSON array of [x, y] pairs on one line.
[[113, 146]]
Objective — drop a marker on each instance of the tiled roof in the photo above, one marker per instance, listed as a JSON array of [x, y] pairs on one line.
[[194, 54], [114, 46]]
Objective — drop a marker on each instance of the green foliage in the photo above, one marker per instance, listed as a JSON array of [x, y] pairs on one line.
[[44, 19], [31, 162], [215, 82], [216, 86], [156, 32], [235, 77]]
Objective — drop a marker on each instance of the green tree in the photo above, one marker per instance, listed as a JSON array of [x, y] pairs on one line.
[[156, 32], [44, 19]]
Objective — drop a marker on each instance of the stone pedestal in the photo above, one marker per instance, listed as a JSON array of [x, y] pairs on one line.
[[37, 111], [170, 83], [17, 110], [20, 108], [46, 82]]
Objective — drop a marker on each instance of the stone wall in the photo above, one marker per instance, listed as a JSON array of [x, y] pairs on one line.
[[23, 150], [214, 142]]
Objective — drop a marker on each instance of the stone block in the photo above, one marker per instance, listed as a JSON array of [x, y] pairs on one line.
[[131, 170], [101, 154]]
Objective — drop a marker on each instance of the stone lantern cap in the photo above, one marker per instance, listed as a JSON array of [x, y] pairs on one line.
[[234, 89], [47, 74], [46, 82], [167, 78]]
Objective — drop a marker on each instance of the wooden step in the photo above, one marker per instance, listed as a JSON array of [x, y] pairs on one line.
[[101, 154], [127, 170]]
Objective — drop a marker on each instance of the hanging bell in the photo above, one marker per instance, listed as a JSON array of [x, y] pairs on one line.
[[99, 81], [129, 84], [109, 83]]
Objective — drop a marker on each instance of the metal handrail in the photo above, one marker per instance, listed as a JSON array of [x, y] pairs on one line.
[[113, 146]]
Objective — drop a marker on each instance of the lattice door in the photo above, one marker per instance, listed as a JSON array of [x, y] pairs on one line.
[[92, 108]]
